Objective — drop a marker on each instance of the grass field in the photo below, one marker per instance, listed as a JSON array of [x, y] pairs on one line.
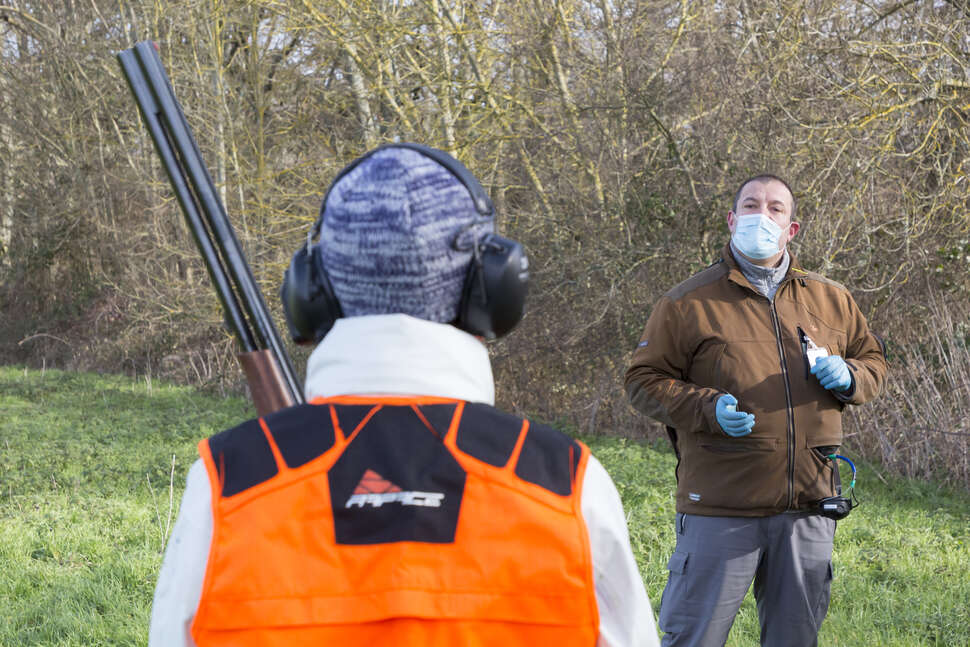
[[92, 468]]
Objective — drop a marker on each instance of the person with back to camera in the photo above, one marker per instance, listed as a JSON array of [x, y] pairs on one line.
[[399, 507], [749, 364]]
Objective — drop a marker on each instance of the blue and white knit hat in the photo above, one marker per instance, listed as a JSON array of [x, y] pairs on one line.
[[389, 233]]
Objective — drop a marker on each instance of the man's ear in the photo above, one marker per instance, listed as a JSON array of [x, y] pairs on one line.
[[732, 220], [793, 229]]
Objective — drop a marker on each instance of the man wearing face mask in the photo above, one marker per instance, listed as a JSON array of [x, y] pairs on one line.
[[749, 364]]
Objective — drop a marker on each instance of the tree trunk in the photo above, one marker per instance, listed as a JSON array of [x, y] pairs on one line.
[[7, 156]]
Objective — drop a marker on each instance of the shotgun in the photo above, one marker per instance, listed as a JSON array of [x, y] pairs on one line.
[[263, 358]]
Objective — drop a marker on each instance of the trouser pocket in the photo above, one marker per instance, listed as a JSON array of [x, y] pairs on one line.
[[824, 595], [671, 617]]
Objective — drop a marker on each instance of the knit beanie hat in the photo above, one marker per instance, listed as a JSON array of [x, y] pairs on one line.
[[397, 237]]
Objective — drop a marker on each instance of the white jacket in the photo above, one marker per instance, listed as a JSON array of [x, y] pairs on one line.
[[398, 354]]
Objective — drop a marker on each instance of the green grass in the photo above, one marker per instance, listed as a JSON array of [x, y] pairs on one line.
[[85, 467], [88, 491]]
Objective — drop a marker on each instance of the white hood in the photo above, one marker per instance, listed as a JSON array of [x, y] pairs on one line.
[[398, 354]]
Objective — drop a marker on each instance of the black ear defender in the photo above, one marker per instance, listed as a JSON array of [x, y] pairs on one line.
[[493, 298], [838, 506], [309, 303]]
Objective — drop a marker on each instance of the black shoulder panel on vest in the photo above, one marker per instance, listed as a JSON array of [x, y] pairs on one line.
[[439, 415], [549, 459], [488, 434], [242, 457], [302, 432], [350, 415]]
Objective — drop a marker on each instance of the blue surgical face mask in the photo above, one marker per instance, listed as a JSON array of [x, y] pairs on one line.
[[756, 236]]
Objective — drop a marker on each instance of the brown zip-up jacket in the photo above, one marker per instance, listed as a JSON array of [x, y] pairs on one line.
[[715, 334]]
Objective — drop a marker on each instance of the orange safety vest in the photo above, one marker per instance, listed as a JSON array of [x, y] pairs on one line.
[[380, 521]]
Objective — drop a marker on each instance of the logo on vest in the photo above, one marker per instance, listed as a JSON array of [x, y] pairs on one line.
[[375, 490]]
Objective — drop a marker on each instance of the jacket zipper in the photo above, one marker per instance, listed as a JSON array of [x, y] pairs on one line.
[[790, 410]]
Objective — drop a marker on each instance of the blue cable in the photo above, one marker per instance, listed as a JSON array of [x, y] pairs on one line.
[[851, 464]]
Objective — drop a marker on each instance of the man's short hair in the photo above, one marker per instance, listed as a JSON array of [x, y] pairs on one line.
[[764, 177]]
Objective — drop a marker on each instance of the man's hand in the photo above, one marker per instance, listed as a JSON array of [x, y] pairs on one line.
[[733, 423], [832, 373]]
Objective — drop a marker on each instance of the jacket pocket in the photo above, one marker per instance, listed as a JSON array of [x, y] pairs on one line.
[[733, 474], [814, 475], [741, 445], [822, 453]]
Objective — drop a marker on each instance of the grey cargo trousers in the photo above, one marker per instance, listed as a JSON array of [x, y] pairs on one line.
[[789, 557]]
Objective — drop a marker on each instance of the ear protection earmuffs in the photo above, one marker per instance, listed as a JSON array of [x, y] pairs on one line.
[[495, 287]]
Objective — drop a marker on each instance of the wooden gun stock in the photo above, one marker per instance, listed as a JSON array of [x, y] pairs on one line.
[[266, 382]]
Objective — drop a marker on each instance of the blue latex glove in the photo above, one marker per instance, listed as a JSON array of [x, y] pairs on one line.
[[734, 423], [833, 373]]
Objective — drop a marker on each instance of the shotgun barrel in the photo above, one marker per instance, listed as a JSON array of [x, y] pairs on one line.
[[263, 357]]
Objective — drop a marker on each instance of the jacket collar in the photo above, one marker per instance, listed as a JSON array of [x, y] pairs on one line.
[[735, 274], [398, 354]]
